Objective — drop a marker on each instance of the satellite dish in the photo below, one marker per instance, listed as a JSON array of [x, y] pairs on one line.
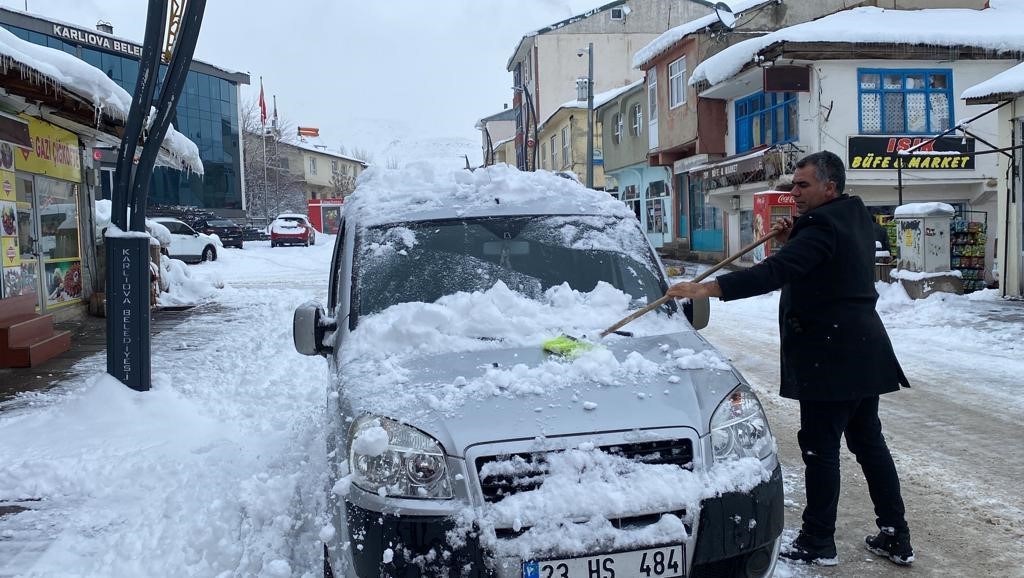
[[725, 15]]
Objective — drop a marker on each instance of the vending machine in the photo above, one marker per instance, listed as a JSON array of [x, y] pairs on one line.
[[325, 214], [769, 206]]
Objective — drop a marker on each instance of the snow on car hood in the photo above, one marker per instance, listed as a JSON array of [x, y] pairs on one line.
[[470, 369], [471, 366]]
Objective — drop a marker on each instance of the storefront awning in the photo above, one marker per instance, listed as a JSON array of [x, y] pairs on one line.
[[764, 164]]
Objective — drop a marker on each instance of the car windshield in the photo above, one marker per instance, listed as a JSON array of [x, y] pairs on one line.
[[426, 261], [220, 223]]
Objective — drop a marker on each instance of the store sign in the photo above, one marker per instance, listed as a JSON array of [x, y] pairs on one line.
[[72, 34], [883, 153], [54, 152]]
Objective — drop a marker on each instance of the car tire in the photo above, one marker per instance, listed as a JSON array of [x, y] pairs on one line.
[[209, 254]]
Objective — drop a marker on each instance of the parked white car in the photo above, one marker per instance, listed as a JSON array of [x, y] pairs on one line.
[[187, 244]]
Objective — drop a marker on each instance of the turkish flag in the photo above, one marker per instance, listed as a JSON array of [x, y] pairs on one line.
[[263, 105]]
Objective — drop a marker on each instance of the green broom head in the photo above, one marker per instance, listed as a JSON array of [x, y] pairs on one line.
[[567, 346]]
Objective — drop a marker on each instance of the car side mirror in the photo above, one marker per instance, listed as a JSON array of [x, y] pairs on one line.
[[698, 312], [309, 326]]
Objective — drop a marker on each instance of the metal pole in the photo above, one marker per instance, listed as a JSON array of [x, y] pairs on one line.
[[266, 181], [590, 115], [899, 182]]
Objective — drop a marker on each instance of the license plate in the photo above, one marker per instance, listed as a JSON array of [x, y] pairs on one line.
[[666, 562]]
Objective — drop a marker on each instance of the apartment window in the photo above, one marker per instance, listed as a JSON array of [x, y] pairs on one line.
[[766, 118], [637, 114], [554, 154], [677, 83], [905, 101], [565, 147], [334, 166], [544, 155], [617, 128], [312, 165], [617, 13]]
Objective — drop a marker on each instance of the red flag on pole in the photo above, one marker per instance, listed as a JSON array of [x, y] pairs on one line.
[[263, 105]]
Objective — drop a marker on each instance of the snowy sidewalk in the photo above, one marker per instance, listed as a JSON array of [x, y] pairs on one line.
[[89, 338], [217, 471]]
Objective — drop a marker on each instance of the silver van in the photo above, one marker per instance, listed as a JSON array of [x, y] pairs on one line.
[[459, 447]]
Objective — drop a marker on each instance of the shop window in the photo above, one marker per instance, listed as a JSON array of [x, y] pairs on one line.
[[905, 101], [617, 128], [677, 83], [566, 158], [766, 119], [637, 114]]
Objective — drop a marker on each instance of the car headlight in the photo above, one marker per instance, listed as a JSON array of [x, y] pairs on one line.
[[391, 458], [739, 428]]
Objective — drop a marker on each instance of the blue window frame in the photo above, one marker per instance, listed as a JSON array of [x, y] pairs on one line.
[[904, 101], [766, 118]]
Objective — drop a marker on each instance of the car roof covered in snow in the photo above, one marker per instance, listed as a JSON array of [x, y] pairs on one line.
[[423, 192]]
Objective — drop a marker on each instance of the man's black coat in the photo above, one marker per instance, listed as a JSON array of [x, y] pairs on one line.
[[834, 346]]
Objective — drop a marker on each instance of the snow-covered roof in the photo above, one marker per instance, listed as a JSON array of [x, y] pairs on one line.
[[670, 37], [306, 145], [1008, 83], [240, 77], [52, 67], [996, 29], [600, 99]]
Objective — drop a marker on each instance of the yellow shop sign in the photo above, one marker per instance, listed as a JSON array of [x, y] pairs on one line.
[[54, 152]]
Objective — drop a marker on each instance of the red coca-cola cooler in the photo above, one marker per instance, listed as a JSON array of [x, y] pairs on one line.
[[769, 206], [325, 215]]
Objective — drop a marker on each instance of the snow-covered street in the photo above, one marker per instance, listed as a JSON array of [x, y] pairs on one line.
[[220, 469]]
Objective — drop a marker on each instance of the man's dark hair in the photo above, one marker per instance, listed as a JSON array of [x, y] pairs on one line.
[[827, 167]]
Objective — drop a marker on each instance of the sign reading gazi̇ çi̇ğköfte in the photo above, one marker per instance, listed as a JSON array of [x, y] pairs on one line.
[[883, 153]]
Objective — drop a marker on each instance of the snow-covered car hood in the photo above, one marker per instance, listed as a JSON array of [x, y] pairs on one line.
[[503, 394]]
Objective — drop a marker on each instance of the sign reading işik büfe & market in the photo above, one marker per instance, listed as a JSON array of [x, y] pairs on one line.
[[883, 153]]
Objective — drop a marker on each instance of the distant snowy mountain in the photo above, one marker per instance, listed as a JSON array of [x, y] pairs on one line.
[[391, 141]]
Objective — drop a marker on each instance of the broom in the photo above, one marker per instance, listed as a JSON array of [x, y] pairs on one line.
[[569, 346]]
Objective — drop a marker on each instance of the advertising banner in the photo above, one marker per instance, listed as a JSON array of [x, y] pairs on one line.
[[54, 152]]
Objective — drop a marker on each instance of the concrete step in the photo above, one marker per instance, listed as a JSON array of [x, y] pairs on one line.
[[35, 351], [17, 330], [17, 306]]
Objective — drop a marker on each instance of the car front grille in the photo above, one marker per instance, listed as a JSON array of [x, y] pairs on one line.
[[532, 467]]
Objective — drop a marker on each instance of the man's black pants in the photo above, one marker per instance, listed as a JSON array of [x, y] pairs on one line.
[[822, 424]]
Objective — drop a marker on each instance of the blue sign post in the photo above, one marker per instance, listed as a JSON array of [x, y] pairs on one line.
[[127, 249], [128, 310]]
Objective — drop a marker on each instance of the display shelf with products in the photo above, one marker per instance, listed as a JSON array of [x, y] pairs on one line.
[[967, 250]]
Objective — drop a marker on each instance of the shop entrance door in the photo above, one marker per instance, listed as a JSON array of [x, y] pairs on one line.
[[49, 262]]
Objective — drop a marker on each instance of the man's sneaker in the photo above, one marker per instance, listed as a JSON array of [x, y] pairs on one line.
[[809, 550], [892, 545]]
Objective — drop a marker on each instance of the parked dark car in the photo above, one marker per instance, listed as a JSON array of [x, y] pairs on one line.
[[230, 234], [250, 233]]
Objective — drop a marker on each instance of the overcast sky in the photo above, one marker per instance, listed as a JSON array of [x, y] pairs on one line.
[[366, 73]]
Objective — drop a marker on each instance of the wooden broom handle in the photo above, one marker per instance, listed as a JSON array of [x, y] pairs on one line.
[[665, 298]]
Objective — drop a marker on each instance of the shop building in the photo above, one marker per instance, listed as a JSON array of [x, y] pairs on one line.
[[879, 93], [54, 109], [1005, 94], [208, 113], [644, 188]]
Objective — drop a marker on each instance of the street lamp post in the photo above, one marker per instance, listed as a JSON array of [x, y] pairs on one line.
[[590, 115]]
